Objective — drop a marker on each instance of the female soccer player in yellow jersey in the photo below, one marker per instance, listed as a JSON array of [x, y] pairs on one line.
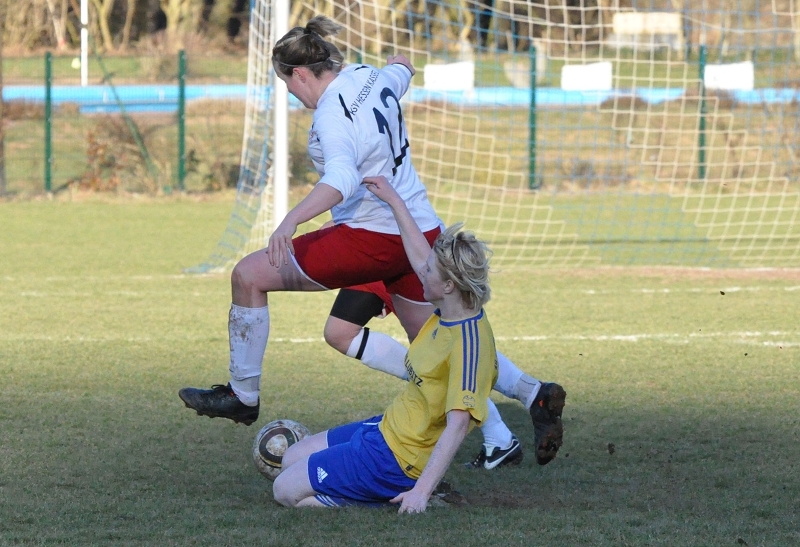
[[401, 456]]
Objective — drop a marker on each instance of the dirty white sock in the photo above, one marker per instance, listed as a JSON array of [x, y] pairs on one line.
[[248, 331]]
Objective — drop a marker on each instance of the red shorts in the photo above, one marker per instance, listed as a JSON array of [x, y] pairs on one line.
[[340, 256], [378, 289]]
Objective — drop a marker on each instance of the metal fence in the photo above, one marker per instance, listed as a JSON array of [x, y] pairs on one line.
[[140, 125]]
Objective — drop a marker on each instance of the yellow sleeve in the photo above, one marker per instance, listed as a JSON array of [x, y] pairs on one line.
[[473, 370]]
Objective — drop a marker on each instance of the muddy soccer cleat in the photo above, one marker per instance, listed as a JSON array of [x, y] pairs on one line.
[[547, 427], [493, 456], [219, 402]]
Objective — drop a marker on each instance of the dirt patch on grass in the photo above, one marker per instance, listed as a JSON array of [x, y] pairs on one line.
[[517, 499]]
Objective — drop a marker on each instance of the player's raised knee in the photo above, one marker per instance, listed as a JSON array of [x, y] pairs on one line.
[[339, 334]]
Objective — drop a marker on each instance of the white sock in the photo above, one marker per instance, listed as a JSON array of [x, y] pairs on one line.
[[495, 432], [514, 383], [248, 331], [380, 352]]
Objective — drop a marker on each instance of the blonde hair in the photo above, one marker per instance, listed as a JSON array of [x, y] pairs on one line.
[[306, 46], [464, 260]]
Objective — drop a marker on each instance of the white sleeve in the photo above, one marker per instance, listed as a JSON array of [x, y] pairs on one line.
[[400, 77], [339, 148]]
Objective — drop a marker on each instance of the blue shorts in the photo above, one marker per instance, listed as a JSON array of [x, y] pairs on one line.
[[357, 468]]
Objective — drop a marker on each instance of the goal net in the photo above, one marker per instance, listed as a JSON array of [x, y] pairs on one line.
[[599, 133]]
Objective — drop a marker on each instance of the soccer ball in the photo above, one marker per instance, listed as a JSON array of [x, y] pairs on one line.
[[272, 441]]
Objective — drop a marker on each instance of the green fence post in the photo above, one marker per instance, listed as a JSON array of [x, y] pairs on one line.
[[701, 144], [181, 120], [533, 184], [48, 122]]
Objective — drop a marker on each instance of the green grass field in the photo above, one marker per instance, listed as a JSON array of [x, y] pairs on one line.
[[695, 389]]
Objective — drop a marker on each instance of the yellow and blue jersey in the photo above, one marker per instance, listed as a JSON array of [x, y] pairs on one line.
[[451, 365]]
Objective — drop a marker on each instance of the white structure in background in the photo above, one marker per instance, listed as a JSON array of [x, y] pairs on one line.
[[84, 43], [591, 77], [647, 30], [730, 76], [450, 77]]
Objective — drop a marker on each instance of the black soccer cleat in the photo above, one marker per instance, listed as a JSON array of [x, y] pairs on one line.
[[219, 402], [497, 457], [548, 430]]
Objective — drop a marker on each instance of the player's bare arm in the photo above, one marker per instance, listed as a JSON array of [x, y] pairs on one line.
[[416, 246], [416, 499]]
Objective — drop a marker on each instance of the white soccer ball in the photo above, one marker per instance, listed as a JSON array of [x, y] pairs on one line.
[[272, 441]]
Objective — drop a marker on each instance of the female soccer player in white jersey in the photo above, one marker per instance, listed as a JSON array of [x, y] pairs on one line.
[[357, 131], [401, 456]]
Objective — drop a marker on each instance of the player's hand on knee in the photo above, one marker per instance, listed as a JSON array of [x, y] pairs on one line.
[[280, 245]]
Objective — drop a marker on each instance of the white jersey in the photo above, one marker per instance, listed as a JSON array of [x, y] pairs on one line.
[[358, 132]]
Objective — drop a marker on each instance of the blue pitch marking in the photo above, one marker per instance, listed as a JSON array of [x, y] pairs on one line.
[[99, 99]]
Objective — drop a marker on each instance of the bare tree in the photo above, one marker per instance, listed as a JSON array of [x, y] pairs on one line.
[[130, 17], [796, 31], [59, 22], [104, 8], [3, 11], [179, 20]]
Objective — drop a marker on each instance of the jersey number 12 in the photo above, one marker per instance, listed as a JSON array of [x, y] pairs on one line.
[[397, 141]]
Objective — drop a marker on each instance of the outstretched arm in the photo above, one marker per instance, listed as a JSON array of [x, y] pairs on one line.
[[416, 246], [416, 499]]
